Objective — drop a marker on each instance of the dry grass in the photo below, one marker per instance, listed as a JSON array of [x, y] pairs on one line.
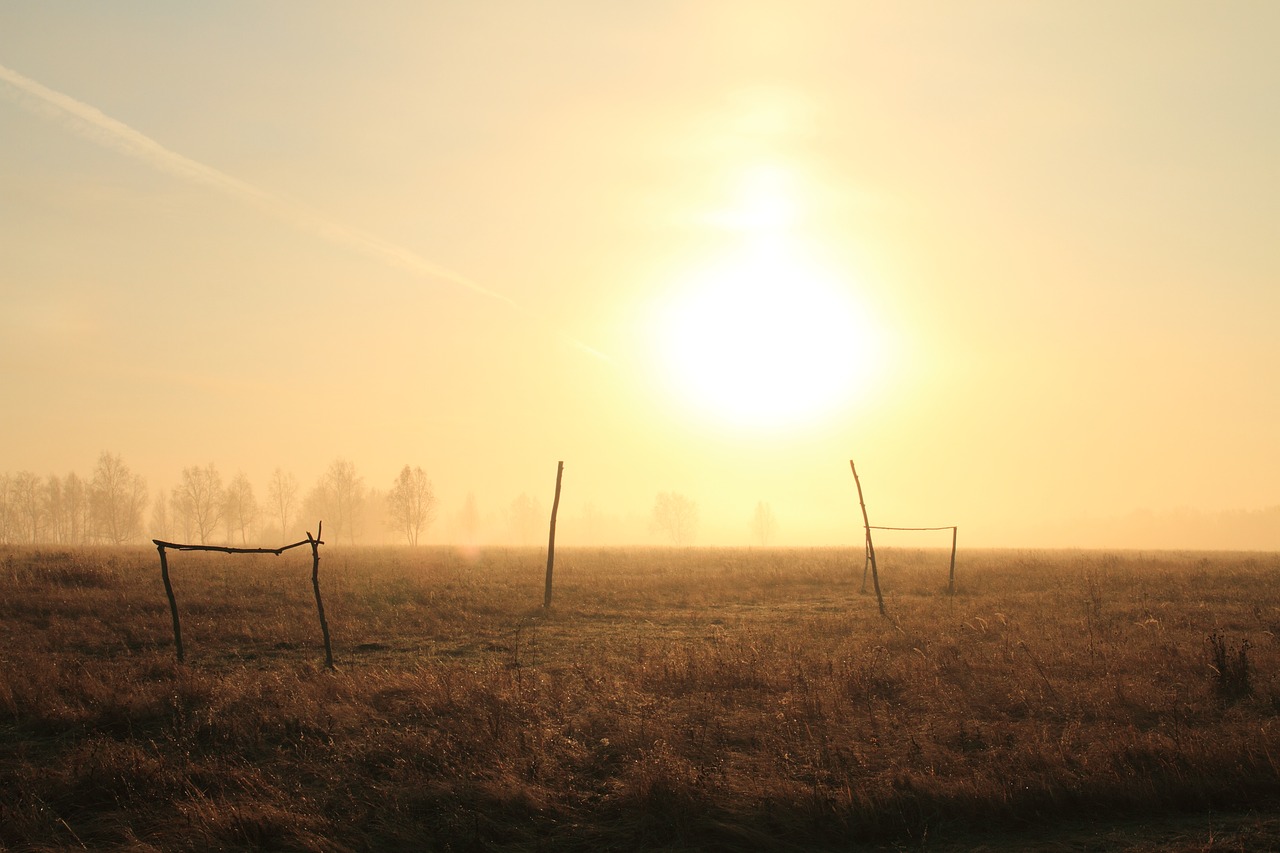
[[681, 700]]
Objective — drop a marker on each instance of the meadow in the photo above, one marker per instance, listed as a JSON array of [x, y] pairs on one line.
[[675, 699]]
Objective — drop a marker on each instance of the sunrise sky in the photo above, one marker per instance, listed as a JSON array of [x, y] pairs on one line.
[[1019, 260]]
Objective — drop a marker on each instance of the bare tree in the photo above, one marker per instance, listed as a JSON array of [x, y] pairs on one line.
[[160, 521], [75, 501], [117, 497], [412, 503], [282, 496], [374, 517], [526, 520], [347, 490], [200, 500], [241, 509], [181, 518], [51, 508], [319, 505], [337, 500], [28, 517], [675, 516], [763, 524]]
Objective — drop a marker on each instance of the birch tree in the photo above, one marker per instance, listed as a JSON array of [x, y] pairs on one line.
[[412, 503], [676, 517], [241, 508], [336, 500], [763, 524], [200, 500], [282, 498], [75, 502], [26, 496], [117, 497]]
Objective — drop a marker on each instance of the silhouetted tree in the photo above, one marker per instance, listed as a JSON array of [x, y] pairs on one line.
[[117, 497], [282, 496], [763, 524], [75, 502], [675, 516], [7, 509], [161, 525], [51, 509], [347, 493], [318, 505], [336, 500], [200, 500], [180, 520], [27, 502], [412, 503], [374, 517], [241, 509]]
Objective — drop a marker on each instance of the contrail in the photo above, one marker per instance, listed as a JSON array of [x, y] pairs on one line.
[[101, 128]]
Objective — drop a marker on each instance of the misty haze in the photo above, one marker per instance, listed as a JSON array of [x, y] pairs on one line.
[[566, 425]]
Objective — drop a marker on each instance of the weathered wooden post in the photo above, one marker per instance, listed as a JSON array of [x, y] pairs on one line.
[[173, 602], [315, 584], [866, 560], [871, 548], [951, 583], [551, 539]]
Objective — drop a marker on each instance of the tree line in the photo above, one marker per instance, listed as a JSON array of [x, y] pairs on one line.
[[114, 506]]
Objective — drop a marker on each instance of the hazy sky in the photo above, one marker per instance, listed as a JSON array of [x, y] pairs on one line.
[[1019, 260]]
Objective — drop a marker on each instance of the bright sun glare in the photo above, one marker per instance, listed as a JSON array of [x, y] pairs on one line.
[[766, 338], [766, 335]]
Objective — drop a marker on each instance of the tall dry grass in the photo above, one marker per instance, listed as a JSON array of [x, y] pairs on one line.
[[681, 699]]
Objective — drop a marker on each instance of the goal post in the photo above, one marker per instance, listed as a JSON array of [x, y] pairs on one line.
[[867, 527], [951, 577], [314, 541]]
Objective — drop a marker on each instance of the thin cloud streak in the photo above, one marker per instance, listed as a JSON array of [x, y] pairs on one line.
[[93, 124]]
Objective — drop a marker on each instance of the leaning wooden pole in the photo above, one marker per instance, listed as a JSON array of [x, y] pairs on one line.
[[316, 542], [173, 602], [866, 560], [951, 583], [871, 548], [551, 538]]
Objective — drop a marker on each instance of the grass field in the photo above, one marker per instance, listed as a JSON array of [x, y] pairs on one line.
[[672, 699]]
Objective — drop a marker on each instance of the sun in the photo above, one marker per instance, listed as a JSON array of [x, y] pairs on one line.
[[766, 338]]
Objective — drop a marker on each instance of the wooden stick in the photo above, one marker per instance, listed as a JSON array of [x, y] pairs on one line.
[[225, 550], [173, 602], [315, 584], [871, 548], [315, 544], [951, 583], [866, 560], [551, 538]]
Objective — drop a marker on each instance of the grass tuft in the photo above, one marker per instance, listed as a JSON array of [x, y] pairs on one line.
[[1230, 667]]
